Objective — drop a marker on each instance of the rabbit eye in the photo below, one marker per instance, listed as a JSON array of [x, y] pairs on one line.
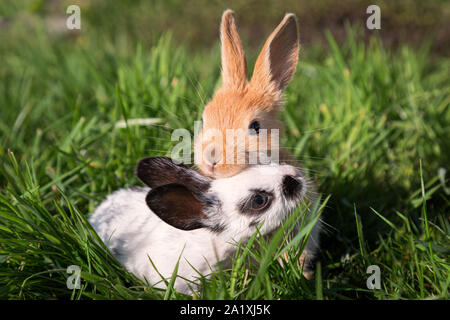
[[254, 125], [259, 201]]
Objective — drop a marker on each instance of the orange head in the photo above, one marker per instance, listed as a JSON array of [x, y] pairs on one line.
[[241, 122]]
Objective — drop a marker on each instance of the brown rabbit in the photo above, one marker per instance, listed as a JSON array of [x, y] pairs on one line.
[[241, 105], [250, 106]]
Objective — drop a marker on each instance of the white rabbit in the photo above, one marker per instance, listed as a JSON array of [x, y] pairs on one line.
[[188, 214]]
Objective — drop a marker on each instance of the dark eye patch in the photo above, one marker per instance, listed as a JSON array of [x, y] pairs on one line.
[[257, 202]]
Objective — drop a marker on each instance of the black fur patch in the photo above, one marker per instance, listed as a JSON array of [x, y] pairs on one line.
[[291, 187], [214, 206], [177, 206], [218, 228], [158, 171]]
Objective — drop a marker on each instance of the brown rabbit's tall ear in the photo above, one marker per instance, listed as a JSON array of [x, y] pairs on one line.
[[234, 66], [277, 61]]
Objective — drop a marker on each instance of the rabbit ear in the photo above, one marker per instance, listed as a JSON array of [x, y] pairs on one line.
[[234, 66], [277, 61], [158, 171], [176, 205]]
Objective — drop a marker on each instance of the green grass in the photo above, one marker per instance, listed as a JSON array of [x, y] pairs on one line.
[[370, 125]]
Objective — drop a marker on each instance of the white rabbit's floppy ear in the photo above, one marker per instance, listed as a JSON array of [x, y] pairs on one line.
[[178, 206], [234, 66], [277, 61], [158, 171]]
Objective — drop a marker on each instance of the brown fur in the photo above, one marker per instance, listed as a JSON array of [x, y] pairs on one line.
[[239, 101]]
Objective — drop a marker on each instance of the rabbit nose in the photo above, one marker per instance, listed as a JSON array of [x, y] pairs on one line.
[[292, 171], [211, 156], [292, 186]]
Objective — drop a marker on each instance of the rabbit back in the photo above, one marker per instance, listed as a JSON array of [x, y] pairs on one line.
[[134, 234]]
